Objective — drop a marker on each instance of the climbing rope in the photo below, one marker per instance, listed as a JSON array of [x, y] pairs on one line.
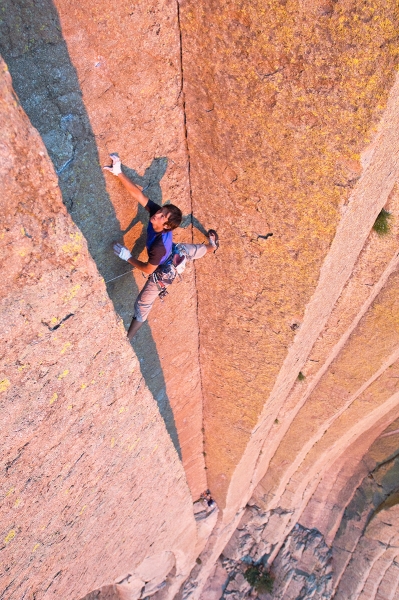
[[113, 279]]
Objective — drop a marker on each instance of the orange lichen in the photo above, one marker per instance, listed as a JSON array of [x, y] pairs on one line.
[[297, 94]]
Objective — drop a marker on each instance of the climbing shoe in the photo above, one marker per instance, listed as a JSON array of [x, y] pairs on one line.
[[213, 239]]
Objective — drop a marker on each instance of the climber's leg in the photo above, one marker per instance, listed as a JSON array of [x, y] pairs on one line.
[[142, 306], [134, 327], [195, 251]]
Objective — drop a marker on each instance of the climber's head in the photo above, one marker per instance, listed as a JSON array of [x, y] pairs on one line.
[[167, 218]]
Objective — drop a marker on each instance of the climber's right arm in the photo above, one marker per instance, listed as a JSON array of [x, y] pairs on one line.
[[133, 189]]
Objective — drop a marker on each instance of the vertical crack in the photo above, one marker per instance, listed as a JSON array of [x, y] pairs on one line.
[[181, 94], [191, 212]]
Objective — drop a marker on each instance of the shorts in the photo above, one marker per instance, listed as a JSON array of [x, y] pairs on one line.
[[193, 251], [146, 299]]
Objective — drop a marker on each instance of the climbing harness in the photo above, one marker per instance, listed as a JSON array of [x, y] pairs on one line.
[[168, 271], [173, 267], [162, 291]]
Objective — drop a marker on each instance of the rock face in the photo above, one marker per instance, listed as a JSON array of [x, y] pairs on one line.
[[354, 555], [96, 80], [272, 369], [91, 482], [307, 324], [365, 553], [302, 568], [276, 124]]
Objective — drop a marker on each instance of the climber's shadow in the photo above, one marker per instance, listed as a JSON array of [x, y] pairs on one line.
[[123, 296], [191, 220], [143, 341], [151, 184]]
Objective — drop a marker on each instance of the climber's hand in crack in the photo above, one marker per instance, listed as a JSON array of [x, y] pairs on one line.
[[133, 189], [122, 252]]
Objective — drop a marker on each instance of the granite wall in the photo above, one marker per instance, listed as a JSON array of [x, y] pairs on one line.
[[270, 371]]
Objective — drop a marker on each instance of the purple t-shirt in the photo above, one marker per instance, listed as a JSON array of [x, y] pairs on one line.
[[159, 244]]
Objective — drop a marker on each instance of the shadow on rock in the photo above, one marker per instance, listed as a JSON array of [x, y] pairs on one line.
[[48, 89], [191, 220]]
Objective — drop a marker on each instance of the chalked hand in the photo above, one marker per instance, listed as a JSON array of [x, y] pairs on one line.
[[122, 252], [115, 168]]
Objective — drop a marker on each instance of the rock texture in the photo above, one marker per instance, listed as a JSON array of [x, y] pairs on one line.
[[355, 553], [96, 79], [91, 483], [281, 100], [275, 361], [302, 568], [365, 553], [277, 96]]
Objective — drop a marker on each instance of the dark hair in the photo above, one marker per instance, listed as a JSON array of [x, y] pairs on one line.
[[175, 217]]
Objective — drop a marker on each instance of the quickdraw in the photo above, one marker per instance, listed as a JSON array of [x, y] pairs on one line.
[[163, 292]]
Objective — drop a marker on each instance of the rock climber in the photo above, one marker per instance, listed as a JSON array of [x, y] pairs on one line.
[[163, 219]]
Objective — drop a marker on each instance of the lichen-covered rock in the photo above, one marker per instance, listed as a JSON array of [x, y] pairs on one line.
[[281, 100], [95, 79], [278, 118]]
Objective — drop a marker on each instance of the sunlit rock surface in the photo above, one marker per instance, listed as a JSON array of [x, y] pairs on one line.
[[271, 371], [95, 79], [91, 483]]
